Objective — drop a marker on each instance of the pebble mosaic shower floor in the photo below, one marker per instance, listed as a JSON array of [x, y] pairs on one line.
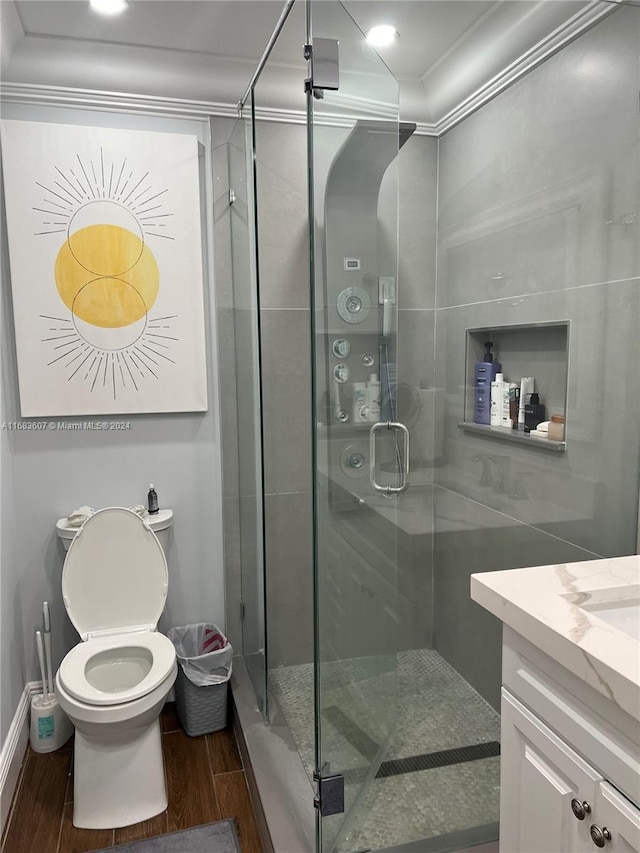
[[436, 710]]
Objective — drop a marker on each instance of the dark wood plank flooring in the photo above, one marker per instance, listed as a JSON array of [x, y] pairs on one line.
[[205, 782]]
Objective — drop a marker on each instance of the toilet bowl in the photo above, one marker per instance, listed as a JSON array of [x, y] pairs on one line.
[[114, 683]]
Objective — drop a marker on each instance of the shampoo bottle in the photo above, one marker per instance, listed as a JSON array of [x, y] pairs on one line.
[[534, 413], [514, 404], [526, 389], [360, 415], [486, 371], [505, 420], [497, 393], [373, 399]]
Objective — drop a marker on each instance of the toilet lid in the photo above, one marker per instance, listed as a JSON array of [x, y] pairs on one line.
[[115, 575]]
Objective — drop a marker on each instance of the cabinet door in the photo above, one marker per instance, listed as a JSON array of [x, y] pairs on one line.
[[620, 816], [540, 776]]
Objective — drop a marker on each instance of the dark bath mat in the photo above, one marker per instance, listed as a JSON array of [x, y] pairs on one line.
[[220, 837]]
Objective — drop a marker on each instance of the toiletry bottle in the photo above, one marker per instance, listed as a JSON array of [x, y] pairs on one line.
[[514, 404], [556, 428], [505, 417], [534, 413], [373, 399], [486, 371], [152, 501], [360, 403], [497, 391], [526, 388]]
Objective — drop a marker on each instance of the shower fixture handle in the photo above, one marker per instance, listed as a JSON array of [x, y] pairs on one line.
[[404, 464]]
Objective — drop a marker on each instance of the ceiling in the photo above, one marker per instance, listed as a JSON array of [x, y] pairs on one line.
[[446, 50], [241, 28], [235, 29]]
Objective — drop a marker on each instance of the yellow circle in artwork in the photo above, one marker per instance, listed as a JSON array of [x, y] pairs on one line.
[[116, 272], [106, 249], [111, 298]]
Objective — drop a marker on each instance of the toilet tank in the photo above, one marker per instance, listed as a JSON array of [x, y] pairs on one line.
[[160, 523]]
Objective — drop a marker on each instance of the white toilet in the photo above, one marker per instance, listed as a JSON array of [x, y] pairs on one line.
[[114, 683]]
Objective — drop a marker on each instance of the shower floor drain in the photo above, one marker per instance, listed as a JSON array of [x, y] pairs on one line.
[[431, 760], [368, 748]]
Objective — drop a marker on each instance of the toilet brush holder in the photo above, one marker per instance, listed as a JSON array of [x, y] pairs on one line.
[[50, 726]]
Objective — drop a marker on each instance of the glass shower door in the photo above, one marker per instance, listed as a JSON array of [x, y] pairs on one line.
[[360, 450]]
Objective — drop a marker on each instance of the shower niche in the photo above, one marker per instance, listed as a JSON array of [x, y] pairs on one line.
[[540, 350]]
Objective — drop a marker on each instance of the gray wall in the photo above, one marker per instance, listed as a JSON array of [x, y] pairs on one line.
[[284, 307], [417, 220], [48, 474], [281, 192], [527, 186], [221, 131]]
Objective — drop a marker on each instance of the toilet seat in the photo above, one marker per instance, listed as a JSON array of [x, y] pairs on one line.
[[114, 578], [114, 587], [75, 669]]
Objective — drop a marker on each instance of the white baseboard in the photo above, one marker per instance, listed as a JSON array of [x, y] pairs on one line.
[[13, 749]]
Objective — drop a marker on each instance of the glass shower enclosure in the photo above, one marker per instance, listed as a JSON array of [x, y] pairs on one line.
[[371, 262]]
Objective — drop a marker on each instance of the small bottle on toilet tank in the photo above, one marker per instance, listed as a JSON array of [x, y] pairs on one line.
[[152, 501]]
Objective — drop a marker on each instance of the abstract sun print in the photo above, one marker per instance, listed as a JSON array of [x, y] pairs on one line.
[[106, 268]]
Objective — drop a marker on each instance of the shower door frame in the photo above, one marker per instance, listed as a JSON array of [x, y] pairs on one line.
[[329, 778]]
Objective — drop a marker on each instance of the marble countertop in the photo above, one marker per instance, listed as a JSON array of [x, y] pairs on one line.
[[546, 605]]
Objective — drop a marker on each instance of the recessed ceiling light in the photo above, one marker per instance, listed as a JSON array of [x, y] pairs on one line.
[[108, 7], [382, 36]]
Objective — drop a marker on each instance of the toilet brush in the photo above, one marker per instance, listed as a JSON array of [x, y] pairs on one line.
[[50, 727], [46, 620], [43, 672]]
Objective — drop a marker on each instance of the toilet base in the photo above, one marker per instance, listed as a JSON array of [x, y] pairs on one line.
[[118, 780]]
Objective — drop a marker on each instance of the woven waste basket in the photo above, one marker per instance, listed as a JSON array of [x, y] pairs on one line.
[[205, 664]]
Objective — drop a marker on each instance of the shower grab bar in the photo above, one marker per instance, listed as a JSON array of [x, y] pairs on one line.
[[404, 467]]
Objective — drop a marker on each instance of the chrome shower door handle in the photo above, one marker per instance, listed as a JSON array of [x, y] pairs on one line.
[[404, 466]]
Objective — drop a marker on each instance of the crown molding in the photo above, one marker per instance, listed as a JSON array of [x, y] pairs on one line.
[[112, 101], [88, 99], [555, 41]]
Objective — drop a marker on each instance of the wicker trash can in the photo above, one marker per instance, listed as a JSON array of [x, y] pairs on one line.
[[204, 668]]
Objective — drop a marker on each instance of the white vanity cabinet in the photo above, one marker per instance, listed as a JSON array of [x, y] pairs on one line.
[[540, 779], [552, 801], [570, 761], [620, 816], [570, 765]]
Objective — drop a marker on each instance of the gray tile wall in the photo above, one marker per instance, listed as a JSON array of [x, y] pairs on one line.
[[534, 190], [284, 299], [418, 397], [221, 131]]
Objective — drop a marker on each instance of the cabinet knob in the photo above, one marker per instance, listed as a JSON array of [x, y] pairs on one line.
[[580, 809], [599, 836]]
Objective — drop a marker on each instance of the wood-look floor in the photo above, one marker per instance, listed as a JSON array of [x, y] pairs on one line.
[[205, 782]]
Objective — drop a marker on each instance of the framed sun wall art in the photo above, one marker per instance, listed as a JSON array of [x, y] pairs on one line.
[[105, 249]]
